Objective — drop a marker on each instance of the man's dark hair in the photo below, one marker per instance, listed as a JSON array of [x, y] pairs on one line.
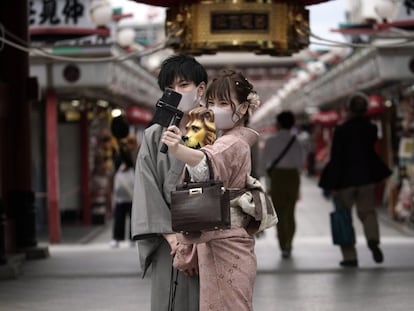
[[183, 66], [358, 103], [285, 120]]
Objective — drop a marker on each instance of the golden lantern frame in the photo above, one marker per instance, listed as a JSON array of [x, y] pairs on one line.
[[277, 28]]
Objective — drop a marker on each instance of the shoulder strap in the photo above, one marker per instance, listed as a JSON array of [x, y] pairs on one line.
[[282, 154]]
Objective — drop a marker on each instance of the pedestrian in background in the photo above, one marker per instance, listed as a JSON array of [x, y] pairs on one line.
[[123, 191], [284, 158], [156, 176], [226, 258], [352, 172]]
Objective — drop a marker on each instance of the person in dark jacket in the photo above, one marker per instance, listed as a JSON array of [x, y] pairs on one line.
[[352, 172]]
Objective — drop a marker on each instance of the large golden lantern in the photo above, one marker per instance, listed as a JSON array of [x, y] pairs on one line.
[[277, 28]]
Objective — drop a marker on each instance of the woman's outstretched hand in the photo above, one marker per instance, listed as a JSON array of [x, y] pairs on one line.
[[172, 138]]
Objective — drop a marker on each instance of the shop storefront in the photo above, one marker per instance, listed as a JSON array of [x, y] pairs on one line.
[[400, 187], [86, 64], [73, 176]]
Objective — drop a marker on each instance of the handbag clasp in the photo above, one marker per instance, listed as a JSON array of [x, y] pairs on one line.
[[195, 191]]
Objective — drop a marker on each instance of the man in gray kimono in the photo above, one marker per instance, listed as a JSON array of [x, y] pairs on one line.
[[156, 175]]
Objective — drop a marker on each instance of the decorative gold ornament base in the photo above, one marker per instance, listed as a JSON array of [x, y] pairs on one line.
[[277, 28]]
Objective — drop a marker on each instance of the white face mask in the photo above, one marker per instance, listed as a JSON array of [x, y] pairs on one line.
[[224, 119], [189, 101]]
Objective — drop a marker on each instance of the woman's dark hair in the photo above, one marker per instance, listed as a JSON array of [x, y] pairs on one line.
[[126, 158], [285, 120], [183, 66], [230, 83]]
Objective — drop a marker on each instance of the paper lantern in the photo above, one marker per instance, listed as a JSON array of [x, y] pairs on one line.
[[101, 12], [386, 9], [126, 37]]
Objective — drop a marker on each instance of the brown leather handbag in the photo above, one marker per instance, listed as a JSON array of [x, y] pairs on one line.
[[200, 206]]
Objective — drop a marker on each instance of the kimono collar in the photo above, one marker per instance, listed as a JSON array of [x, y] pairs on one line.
[[247, 134]]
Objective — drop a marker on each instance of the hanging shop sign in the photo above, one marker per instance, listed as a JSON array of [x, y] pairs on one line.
[[375, 105], [277, 28], [332, 117], [136, 115], [53, 20], [326, 118]]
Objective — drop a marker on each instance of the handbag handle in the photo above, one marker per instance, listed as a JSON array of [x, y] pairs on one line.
[[187, 177]]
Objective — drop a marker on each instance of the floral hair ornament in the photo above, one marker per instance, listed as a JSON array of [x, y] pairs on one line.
[[254, 100]]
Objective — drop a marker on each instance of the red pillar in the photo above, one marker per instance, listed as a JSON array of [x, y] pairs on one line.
[[85, 176], [52, 167]]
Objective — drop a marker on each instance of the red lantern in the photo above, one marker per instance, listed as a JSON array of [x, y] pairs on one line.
[[136, 115], [376, 104], [326, 118]]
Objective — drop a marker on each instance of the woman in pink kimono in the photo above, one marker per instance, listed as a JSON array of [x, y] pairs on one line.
[[226, 259]]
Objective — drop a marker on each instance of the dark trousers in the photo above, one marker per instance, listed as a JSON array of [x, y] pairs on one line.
[[363, 197], [121, 212], [284, 190]]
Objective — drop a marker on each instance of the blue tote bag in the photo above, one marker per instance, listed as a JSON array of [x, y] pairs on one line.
[[341, 226]]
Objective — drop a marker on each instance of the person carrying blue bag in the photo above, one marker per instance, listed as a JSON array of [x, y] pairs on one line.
[[351, 175], [343, 233]]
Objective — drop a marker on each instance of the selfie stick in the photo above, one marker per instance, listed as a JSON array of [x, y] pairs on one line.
[[175, 121]]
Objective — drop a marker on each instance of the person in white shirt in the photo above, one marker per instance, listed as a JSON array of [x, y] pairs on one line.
[[123, 193], [284, 159]]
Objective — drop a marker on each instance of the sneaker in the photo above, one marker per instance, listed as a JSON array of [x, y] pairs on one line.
[[286, 254], [114, 244], [351, 263], [376, 252]]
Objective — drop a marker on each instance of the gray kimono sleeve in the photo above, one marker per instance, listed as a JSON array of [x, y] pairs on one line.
[[155, 176]]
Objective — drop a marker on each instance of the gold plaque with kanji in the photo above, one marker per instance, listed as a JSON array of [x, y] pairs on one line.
[[264, 27]]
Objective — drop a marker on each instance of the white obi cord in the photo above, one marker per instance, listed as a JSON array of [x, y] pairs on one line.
[[199, 172]]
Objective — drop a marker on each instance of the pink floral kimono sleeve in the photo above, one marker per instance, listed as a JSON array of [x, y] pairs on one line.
[[230, 160]]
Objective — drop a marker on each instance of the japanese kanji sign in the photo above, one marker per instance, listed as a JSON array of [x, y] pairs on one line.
[[59, 13]]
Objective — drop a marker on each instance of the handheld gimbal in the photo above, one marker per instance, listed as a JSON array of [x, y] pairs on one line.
[[166, 112]]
